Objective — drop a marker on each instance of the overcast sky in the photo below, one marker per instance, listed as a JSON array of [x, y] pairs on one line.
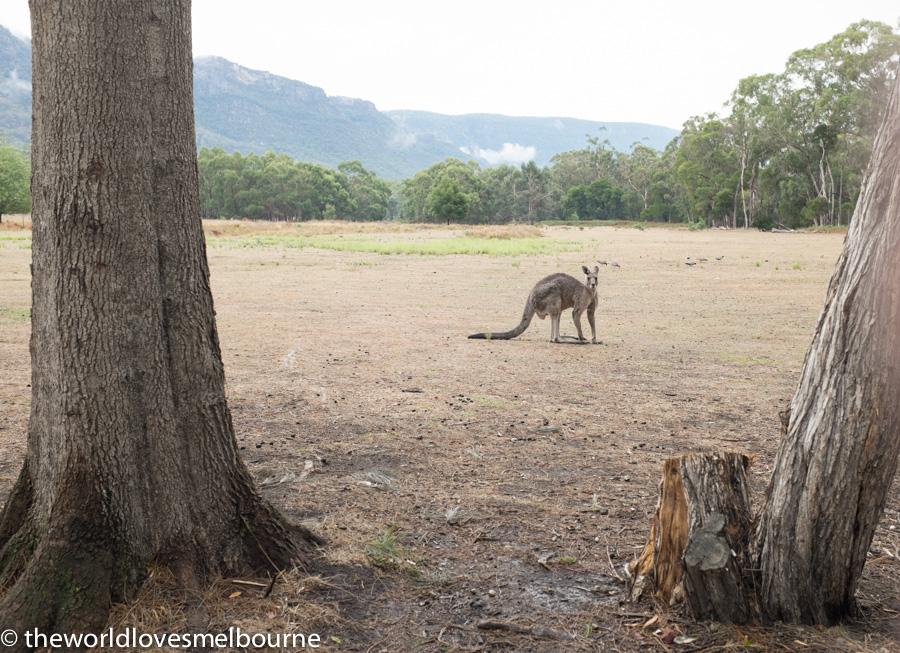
[[656, 61]]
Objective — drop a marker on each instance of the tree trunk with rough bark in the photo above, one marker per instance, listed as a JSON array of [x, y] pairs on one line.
[[839, 455], [131, 454], [839, 450]]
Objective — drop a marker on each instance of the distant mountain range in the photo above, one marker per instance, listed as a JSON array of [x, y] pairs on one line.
[[245, 110], [15, 88]]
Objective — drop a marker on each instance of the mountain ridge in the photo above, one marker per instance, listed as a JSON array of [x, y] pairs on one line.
[[246, 110]]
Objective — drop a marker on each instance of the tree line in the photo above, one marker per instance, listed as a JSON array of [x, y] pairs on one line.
[[15, 169], [788, 149], [275, 187]]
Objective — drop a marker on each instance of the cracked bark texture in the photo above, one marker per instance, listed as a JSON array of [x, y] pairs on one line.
[[837, 460], [699, 546], [131, 455]]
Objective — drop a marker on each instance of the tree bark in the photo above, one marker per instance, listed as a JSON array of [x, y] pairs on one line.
[[131, 454], [659, 564], [838, 458], [717, 578], [700, 536], [838, 454]]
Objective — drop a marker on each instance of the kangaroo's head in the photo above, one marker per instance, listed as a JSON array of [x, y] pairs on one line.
[[591, 281]]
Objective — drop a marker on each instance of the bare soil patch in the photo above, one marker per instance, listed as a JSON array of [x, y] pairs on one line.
[[513, 479]]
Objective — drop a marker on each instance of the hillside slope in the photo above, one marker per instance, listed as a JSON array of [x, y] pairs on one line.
[[244, 110]]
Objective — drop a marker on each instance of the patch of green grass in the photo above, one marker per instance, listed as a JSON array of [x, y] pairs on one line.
[[752, 361], [491, 402], [17, 239], [8, 314], [386, 552], [796, 265], [425, 246]]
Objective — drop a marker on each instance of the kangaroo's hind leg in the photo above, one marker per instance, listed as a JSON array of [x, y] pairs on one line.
[[576, 318], [553, 306], [554, 327]]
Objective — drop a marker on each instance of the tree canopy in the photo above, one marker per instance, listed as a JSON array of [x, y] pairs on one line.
[[274, 186], [788, 149], [15, 170]]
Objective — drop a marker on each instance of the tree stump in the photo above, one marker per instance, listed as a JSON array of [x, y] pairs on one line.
[[700, 539], [838, 455]]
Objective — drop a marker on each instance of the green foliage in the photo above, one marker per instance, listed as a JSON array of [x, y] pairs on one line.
[[274, 186], [813, 213], [15, 172], [369, 195], [447, 191], [447, 201], [790, 151], [793, 149], [599, 199]]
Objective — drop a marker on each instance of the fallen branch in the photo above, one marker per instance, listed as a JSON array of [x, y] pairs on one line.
[[613, 567], [533, 631]]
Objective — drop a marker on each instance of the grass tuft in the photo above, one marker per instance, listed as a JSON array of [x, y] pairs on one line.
[[386, 552]]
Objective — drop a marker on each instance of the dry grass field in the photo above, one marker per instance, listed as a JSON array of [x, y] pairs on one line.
[[459, 480]]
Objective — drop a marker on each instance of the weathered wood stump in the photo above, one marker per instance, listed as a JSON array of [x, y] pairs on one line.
[[699, 545]]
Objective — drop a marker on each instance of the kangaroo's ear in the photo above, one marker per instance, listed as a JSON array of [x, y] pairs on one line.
[[596, 269], [585, 270]]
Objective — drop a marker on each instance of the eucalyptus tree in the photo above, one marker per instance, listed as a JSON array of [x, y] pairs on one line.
[[14, 174], [131, 455]]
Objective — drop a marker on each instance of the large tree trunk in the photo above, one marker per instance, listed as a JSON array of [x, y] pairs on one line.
[[131, 453], [838, 458]]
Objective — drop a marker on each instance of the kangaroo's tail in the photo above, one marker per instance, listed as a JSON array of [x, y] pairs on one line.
[[527, 314]]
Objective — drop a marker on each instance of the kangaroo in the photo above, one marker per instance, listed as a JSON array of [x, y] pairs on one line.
[[551, 296]]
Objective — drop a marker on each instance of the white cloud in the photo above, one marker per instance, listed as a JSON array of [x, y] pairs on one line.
[[18, 84], [509, 153], [402, 140]]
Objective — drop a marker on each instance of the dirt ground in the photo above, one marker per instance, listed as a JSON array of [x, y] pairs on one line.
[[457, 480]]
